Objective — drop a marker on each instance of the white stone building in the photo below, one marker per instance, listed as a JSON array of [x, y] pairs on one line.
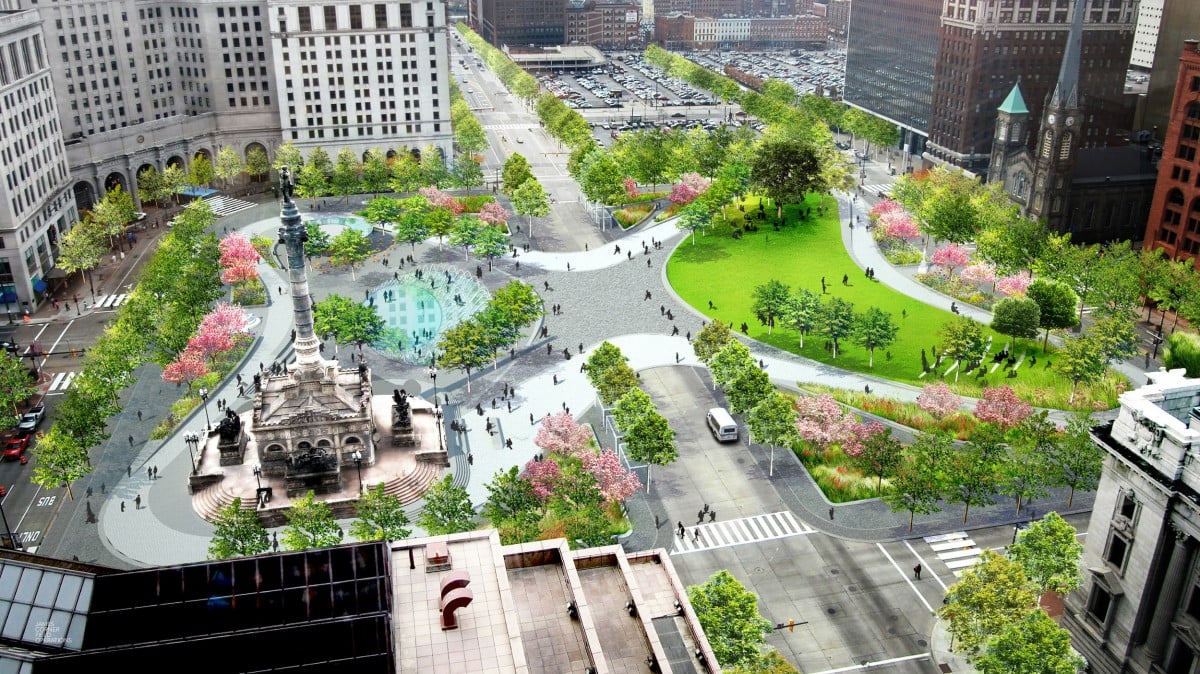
[[1145, 36]]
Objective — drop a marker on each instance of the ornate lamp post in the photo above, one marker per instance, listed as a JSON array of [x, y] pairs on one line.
[[192, 440], [433, 376], [204, 402], [358, 457], [258, 475]]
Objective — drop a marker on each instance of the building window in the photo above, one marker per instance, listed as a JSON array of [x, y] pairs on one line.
[[1117, 551], [1128, 505], [1099, 604], [305, 18]]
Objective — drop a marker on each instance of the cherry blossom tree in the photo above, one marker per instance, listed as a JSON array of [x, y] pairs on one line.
[[440, 199], [821, 421], [543, 476], [210, 342], [1015, 285], [616, 484], [239, 272], [494, 214], [979, 273], [683, 195], [951, 257], [189, 367], [900, 226], [228, 318], [631, 188], [696, 182], [690, 186], [860, 435], [1001, 406], [885, 208], [239, 259], [561, 434], [938, 400]]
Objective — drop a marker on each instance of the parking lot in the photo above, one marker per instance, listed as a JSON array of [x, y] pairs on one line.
[[805, 70]]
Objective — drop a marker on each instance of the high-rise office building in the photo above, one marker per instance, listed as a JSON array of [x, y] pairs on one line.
[[519, 23], [1145, 37], [986, 46], [890, 56], [1174, 221], [36, 204], [1180, 22], [363, 76]]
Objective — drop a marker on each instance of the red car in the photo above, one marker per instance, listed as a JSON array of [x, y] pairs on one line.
[[14, 449]]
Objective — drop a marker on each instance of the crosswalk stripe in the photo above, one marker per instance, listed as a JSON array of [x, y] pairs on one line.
[[945, 537], [60, 383], [955, 554], [225, 205], [952, 545], [956, 550], [740, 531]]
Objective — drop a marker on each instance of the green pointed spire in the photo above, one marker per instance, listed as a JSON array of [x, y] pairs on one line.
[[1015, 103]]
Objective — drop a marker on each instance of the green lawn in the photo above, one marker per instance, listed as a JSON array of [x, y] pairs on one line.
[[725, 270]]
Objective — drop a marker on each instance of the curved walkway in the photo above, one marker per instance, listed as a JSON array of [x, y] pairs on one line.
[[600, 292]]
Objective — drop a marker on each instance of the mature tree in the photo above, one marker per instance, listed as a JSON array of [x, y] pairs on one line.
[[61, 458], [881, 455], [469, 135], [406, 173], [289, 155], [603, 357], [522, 305], [383, 211], [972, 472], [874, 329], [802, 312], [318, 239], [313, 181], [531, 200], [988, 597], [1083, 361], [466, 172], [749, 388], [348, 321], [237, 532], [490, 243], [514, 174], [770, 302], [1049, 553], [1076, 460], [578, 504], [728, 612], [381, 517], [837, 321], [711, 339], [257, 163], [600, 176], [964, 341], [694, 217], [229, 164], [466, 233], [466, 346], [81, 249], [349, 248], [561, 434], [1017, 317], [768, 662], [823, 422], [512, 507], [311, 525], [772, 422], [612, 479], [1034, 644], [376, 174], [499, 332], [345, 179], [786, 169], [1116, 337], [411, 223], [16, 386], [151, 186], [201, 172], [447, 510], [1013, 245], [632, 408], [1056, 306], [917, 486], [174, 179], [651, 440], [728, 363], [1001, 406]]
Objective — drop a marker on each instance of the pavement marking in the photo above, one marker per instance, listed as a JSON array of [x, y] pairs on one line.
[[877, 663], [224, 205], [906, 578], [61, 382], [741, 531], [924, 565], [956, 550], [110, 301]]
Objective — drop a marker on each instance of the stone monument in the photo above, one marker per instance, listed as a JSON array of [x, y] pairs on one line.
[[402, 425], [231, 439]]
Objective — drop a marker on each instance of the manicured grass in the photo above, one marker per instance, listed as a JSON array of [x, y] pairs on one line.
[[726, 271]]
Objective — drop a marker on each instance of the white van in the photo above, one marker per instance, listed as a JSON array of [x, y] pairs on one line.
[[722, 425]]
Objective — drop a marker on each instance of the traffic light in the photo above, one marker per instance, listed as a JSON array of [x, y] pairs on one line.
[[791, 624]]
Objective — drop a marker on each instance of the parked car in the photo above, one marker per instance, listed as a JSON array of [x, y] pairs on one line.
[[14, 449], [32, 419]]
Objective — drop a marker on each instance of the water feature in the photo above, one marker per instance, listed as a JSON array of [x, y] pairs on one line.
[[334, 223], [419, 307]]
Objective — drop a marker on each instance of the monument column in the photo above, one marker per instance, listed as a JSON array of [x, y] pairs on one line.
[[1168, 596], [293, 234]]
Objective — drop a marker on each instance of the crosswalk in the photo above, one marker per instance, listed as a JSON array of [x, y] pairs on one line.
[[223, 205], [506, 127], [61, 382], [876, 189], [728, 533], [956, 550], [110, 301]]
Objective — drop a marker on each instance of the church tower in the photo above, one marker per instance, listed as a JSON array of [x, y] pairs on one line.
[[1059, 136], [1009, 164]]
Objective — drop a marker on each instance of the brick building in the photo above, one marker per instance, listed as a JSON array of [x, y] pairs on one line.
[[1174, 222], [608, 24]]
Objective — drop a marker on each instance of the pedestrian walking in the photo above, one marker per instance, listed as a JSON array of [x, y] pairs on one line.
[[647, 263], [831, 513], [103, 488], [581, 348], [705, 510], [275, 541], [137, 502], [89, 492], [555, 379], [531, 418], [917, 571], [129, 470], [122, 506], [156, 472], [845, 279], [149, 473], [470, 459], [696, 535], [510, 407], [280, 289], [712, 515], [131, 441], [139, 415], [647, 295], [678, 526]]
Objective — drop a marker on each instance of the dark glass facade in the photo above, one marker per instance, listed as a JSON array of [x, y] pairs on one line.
[[890, 56], [520, 23]]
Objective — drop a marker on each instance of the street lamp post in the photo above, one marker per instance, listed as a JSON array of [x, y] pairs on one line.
[[440, 430], [433, 376], [358, 464], [258, 474], [204, 403], [11, 537], [192, 440]]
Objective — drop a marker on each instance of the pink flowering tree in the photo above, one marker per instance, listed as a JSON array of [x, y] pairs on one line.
[[1015, 285], [440, 199], [494, 214], [228, 318], [682, 195], [209, 343], [690, 186], [543, 476], [616, 484], [951, 257], [240, 272], [561, 434], [938, 400], [186, 369], [885, 208], [822, 422], [239, 259], [631, 188], [979, 273], [900, 226], [1001, 406], [860, 436]]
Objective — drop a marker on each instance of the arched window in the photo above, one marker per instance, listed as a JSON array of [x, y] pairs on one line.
[[1193, 110], [1064, 147], [1175, 197], [1047, 144]]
